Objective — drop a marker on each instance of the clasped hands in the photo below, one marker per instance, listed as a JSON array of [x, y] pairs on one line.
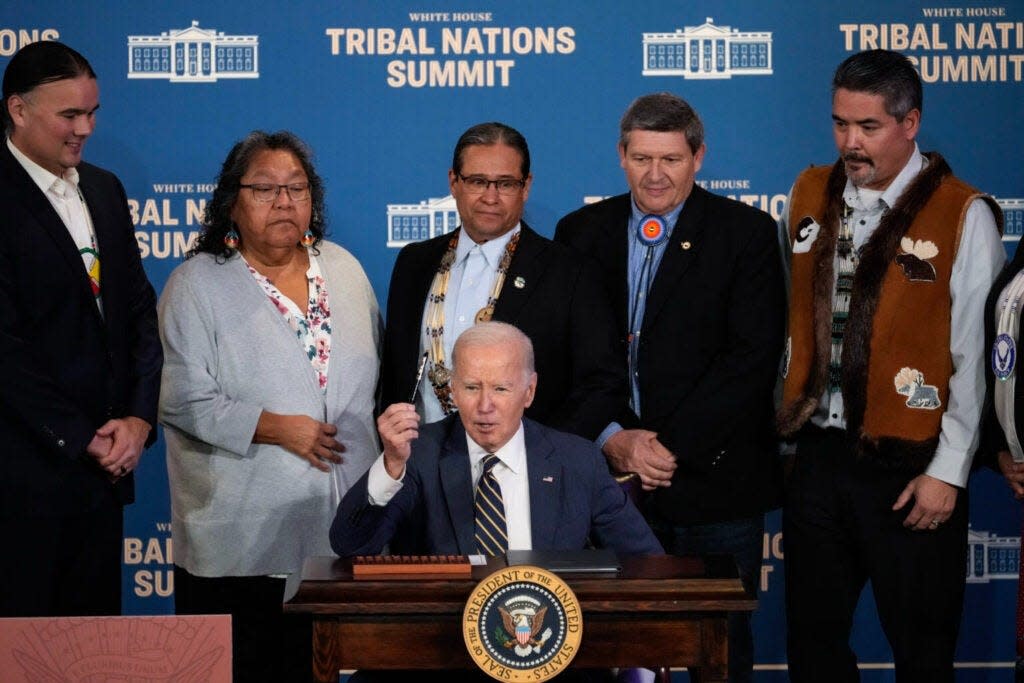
[[117, 445], [639, 451]]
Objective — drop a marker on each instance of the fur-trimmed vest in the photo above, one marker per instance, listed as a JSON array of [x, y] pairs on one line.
[[896, 362]]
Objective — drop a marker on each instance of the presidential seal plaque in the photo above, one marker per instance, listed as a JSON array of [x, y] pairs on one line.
[[522, 623]]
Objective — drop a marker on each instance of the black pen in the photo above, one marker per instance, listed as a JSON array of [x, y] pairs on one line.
[[419, 376]]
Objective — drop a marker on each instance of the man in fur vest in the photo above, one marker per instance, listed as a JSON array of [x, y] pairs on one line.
[[892, 257]]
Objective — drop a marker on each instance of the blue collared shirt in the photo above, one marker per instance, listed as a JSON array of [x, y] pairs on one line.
[[640, 279]]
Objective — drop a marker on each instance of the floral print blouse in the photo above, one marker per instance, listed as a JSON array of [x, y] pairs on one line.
[[313, 330]]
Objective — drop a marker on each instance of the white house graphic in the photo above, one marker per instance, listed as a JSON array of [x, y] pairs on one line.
[[415, 222], [1013, 218], [708, 51], [193, 55], [991, 557]]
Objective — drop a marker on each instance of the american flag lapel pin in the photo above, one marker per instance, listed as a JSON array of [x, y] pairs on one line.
[[549, 480]]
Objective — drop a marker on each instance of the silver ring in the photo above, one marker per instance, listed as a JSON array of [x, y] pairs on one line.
[[934, 524]]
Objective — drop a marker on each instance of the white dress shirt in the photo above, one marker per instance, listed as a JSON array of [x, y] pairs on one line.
[[69, 203], [511, 473]]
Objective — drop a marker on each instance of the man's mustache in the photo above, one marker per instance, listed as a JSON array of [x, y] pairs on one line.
[[850, 156]]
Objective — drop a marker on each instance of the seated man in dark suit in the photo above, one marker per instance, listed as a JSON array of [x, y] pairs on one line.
[[547, 490], [554, 488]]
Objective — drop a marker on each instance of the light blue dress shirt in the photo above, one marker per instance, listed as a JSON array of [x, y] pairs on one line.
[[641, 269], [469, 286]]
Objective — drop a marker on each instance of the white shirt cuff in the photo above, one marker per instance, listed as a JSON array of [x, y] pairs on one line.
[[950, 466], [380, 487]]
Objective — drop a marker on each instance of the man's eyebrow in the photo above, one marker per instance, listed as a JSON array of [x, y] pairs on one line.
[[76, 111], [860, 122]]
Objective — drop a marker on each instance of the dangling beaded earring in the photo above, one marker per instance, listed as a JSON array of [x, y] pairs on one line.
[[231, 239], [308, 238]]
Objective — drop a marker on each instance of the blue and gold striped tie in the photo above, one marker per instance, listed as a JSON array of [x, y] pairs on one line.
[[491, 538]]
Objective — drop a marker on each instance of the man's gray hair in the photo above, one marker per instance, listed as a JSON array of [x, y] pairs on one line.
[[493, 333], [662, 112]]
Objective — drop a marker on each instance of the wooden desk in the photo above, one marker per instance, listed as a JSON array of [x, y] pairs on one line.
[[659, 611]]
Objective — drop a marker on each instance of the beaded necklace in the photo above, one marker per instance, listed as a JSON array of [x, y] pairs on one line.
[[440, 375]]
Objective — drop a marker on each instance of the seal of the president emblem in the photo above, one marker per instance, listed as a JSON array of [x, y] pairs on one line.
[[522, 623]]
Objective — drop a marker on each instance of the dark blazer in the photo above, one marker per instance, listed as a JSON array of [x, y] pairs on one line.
[[573, 499], [993, 438], [711, 341], [581, 383], [66, 369]]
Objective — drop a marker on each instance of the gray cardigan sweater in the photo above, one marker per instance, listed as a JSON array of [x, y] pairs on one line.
[[245, 509]]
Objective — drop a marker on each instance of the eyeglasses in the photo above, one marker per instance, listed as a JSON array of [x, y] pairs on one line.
[[267, 192], [478, 184]]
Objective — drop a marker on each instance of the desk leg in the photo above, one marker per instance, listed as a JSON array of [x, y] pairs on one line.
[[325, 668], [714, 667]]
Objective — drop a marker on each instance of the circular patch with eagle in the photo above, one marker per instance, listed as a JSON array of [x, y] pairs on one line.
[[522, 623]]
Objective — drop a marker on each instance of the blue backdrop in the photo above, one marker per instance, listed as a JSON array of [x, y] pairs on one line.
[[381, 92]]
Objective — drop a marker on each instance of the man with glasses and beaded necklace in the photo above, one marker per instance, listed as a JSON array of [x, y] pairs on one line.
[[494, 266]]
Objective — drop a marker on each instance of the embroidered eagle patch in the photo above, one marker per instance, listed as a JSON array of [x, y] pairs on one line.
[[914, 259], [1004, 356]]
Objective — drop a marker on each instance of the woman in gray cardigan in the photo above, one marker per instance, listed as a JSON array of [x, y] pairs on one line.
[[271, 337]]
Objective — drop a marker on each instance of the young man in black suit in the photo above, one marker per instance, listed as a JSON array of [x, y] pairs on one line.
[[696, 284], [79, 353]]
